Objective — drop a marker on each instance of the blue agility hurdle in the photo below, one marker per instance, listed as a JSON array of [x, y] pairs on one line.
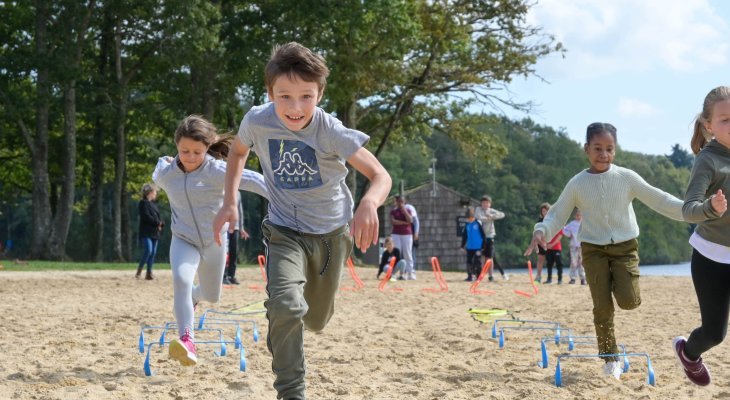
[[555, 329], [571, 340], [525, 321], [650, 379], [173, 325], [254, 324], [241, 354]]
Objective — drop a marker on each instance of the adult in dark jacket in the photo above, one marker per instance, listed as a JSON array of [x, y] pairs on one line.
[[150, 225]]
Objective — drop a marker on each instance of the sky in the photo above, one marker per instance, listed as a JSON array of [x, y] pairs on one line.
[[643, 65]]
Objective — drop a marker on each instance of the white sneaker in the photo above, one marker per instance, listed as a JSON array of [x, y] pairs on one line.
[[613, 368], [411, 276], [505, 277]]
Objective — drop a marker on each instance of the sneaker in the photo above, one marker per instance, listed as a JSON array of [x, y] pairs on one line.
[[583, 282], [491, 279], [538, 279], [411, 276], [183, 350], [696, 371], [233, 280], [226, 281], [468, 279], [505, 277], [549, 281], [560, 281], [571, 282], [401, 278], [613, 368]]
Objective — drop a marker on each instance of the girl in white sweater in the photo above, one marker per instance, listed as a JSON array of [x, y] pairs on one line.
[[604, 193]]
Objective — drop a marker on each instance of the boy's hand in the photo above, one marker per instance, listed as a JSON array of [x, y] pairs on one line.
[[537, 239], [364, 227], [227, 213], [719, 202]]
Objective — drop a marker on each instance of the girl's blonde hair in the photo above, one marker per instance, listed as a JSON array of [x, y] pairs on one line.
[[198, 128], [701, 136]]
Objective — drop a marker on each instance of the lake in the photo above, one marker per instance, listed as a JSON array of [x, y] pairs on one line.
[[682, 269]]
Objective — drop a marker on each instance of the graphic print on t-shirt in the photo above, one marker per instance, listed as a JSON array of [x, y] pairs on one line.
[[294, 164]]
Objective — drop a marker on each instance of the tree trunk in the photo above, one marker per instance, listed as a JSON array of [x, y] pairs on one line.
[[120, 155], [64, 209], [126, 226], [96, 206], [39, 151]]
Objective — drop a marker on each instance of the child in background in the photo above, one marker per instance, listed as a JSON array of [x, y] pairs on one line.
[[389, 252], [706, 205], [472, 241], [310, 228], [604, 193], [554, 256], [194, 182], [541, 251], [576, 258], [487, 215]]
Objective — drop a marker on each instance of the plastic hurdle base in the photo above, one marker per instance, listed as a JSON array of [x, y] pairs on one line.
[[543, 362], [650, 379]]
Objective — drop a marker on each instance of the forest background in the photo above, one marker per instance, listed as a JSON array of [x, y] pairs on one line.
[[92, 92]]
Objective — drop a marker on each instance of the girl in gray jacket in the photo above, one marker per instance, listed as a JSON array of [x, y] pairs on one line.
[[194, 183]]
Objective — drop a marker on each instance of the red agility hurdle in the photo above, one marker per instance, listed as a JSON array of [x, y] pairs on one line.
[[532, 282], [436, 266], [262, 263], [474, 288], [358, 282]]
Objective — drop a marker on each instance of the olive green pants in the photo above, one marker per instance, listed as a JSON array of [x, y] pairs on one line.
[[612, 268], [303, 275]]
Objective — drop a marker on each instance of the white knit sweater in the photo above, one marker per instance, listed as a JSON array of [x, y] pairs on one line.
[[605, 201]]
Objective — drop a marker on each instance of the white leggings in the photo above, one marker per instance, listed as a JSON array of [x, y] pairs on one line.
[[185, 260]]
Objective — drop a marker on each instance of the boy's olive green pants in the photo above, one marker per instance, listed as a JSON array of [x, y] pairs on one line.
[[303, 275], [612, 268]]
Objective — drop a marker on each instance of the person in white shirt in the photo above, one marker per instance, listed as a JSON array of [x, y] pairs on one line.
[[487, 215], [608, 233]]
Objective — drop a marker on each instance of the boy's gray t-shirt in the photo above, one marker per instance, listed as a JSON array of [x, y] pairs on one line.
[[304, 171]]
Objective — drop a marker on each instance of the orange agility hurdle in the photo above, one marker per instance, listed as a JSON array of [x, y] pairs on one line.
[[474, 286], [534, 287], [436, 266], [386, 279], [358, 282], [262, 262]]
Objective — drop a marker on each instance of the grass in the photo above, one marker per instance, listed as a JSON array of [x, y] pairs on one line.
[[13, 265]]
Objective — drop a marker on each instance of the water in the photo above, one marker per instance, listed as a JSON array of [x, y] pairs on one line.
[[682, 269]]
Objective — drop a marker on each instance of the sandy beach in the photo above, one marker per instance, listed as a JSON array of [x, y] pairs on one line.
[[74, 335]]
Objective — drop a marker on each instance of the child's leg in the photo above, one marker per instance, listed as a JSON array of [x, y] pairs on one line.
[[549, 261], [285, 307], [624, 264], [184, 260], [559, 265], [574, 262], [470, 255], [712, 285], [324, 266], [600, 283], [210, 274]]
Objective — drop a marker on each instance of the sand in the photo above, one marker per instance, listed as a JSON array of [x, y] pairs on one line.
[[74, 335]]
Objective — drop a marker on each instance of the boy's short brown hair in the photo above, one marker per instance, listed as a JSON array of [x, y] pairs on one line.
[[296, 62]]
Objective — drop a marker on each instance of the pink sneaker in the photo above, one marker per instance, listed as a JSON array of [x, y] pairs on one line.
[[696, 371], [183, 350]]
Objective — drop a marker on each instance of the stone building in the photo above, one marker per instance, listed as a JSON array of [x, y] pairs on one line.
[[440, 211]]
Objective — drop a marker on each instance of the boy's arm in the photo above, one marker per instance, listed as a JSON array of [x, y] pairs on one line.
[[364, 227], [234, 168]]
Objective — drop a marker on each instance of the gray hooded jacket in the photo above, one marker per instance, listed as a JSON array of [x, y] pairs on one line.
[[196, 197]]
